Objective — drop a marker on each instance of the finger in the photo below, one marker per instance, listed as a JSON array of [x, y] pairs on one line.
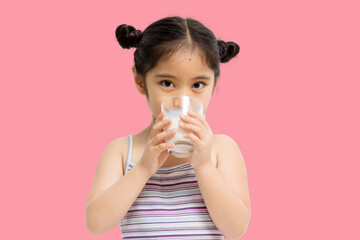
[[192, 128], [161, 147], [159, 138], [158, 125], [194, 139], [160, 116], [189, 119], [200, 118]]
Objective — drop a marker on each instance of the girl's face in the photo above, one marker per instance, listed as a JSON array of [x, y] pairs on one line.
[[182, 74]]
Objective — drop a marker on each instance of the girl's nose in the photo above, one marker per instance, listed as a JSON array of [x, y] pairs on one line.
[[177, 102]]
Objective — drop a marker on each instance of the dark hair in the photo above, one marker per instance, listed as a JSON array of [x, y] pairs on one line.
[[166, 36]]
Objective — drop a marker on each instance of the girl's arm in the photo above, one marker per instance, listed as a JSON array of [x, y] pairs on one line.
[[112, 193], [225, 190], [108, 207]]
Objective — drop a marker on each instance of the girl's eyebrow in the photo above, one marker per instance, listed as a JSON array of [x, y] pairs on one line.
[[204, 77]]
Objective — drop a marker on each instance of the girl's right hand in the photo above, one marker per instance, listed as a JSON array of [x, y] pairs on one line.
[[155, 152]]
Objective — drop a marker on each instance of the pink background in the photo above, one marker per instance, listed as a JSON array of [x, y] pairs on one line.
[[290, 100]]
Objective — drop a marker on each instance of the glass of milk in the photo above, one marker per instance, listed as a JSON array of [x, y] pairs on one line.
[[174, 107]]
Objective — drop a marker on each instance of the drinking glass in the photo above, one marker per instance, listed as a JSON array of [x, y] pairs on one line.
[[174, 107]]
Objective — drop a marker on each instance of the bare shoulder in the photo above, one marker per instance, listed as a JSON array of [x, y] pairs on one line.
[[226, 147], [110, 166], [114, 153], [231, 165]]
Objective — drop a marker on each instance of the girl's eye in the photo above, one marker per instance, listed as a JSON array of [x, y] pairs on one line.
[[168, 84], [199, 83]]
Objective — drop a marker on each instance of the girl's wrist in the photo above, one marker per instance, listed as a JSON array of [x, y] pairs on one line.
[[145, 171]]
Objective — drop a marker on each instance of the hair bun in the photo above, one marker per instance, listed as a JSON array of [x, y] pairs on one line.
[[127, 36], [227, 50]]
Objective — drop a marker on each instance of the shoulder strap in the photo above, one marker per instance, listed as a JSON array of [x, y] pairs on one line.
[[129, 152]]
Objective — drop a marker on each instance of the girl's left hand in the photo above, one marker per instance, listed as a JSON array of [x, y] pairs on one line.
[[201, 136]]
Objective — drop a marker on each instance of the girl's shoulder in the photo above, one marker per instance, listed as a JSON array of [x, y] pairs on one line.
[[120, 144], [119, 147], [222, 139], [226, 148]]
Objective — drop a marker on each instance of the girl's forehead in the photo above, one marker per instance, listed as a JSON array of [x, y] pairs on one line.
[[192, 59], [185, 55]]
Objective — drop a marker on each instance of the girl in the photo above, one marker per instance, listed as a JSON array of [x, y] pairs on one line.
[[152, 194]]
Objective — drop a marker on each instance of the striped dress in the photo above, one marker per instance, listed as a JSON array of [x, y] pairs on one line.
[[170, 206]]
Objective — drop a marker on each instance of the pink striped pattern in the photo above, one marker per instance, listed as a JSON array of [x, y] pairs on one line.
[[170, 206]]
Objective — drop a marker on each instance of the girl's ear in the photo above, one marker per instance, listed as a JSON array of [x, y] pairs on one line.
[[138, 81]]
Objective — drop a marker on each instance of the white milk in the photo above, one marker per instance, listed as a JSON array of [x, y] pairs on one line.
[[183, 146]]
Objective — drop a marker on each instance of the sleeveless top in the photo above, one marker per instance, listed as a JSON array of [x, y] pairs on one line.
[[170, 206]]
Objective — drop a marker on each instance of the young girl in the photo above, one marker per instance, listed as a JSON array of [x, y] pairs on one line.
[[152, 194]]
